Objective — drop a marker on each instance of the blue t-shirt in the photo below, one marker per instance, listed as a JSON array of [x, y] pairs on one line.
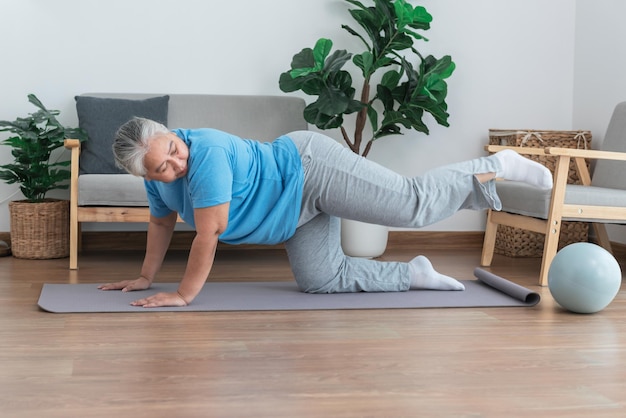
[[261, 180]]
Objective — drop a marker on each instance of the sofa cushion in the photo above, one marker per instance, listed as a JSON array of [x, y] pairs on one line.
[[111, 190], [101, 117], [260, 117]]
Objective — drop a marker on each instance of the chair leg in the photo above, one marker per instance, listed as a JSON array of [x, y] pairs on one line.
[[550, 247], [555, 218], [489, 243]]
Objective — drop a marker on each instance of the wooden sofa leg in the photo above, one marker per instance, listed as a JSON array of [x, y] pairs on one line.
[[74, 231], [489, 243]]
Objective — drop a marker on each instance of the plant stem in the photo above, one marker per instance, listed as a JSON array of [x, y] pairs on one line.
[[347, 139], [361, 117], [367, 148]]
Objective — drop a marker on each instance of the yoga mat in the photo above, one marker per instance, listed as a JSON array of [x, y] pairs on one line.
[[488, 290]]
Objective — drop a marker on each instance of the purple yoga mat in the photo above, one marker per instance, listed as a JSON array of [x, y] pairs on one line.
[[488, 290]]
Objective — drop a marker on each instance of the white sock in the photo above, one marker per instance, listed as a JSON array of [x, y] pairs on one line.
[[518, 168], [424, 276]]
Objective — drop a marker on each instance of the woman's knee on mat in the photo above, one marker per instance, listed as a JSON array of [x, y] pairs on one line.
[[315, 280]]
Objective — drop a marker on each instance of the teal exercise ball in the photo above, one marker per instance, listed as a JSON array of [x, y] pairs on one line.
[[584, 278]]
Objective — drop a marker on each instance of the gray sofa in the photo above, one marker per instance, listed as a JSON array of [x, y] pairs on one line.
[[99, 192]]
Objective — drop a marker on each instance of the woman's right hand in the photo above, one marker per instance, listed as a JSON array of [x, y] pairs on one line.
[[141, 283]]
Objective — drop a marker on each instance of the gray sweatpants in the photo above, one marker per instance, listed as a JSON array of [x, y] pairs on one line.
[[340, 184]]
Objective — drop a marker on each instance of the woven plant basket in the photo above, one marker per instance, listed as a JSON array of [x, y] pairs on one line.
[[40, 230], [516, 242]]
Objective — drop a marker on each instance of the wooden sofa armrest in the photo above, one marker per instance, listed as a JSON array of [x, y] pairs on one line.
[[74, 146], [71, 143]]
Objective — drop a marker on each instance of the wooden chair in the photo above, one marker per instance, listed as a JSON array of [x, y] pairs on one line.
[[600, 199]]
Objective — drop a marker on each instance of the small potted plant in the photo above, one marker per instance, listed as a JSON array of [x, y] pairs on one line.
[[39, 225], [410, 85]]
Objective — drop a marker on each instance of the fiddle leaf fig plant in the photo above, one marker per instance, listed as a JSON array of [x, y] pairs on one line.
[[35, 138], [410, 85]]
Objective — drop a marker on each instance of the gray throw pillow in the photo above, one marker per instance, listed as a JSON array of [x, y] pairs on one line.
[[101, 118]]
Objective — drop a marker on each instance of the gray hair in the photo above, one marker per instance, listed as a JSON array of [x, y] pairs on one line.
[[132, 142]]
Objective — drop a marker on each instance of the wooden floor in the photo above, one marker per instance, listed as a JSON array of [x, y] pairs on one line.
[[496, 362]]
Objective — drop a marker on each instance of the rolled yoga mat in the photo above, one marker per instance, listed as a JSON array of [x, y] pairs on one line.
[[488, 290]]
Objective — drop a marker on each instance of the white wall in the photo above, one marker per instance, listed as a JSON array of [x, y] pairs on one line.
[[515, 63]]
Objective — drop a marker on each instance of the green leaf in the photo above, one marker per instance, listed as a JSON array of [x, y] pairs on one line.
[[438, 111], [385, 96], [372, 115], [336, 61], [320, 52], [387, 130], [332, 101], [384, 62], [313, 116], [302, 72], [303, 63], [342, 80], [394, 117], [414, 35], [354, 106], [400, 42], [421, 19], [390, 79], [444, 66], [313, 85], [303, 59], [365, 62], [289, 84]]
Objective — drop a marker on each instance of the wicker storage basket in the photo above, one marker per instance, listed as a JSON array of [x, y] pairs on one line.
[[40, 230], [542, 139], [516, 242]]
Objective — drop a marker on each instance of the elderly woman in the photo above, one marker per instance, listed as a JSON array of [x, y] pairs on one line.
[[294, 190]]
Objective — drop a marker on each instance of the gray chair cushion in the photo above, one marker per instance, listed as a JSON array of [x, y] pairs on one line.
[[101, 117], [522, 199]]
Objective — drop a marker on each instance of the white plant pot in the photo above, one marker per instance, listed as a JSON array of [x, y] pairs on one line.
[[359, 239]]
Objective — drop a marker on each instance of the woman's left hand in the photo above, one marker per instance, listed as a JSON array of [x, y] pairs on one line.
[[161, 299]]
